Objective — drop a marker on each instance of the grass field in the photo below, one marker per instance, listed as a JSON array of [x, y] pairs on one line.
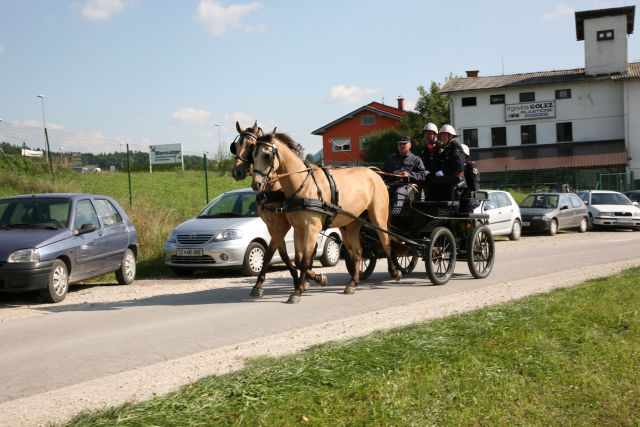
[[570, 357]]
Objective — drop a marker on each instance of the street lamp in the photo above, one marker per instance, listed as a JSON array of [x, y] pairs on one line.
[[61, 155], [46, 136], [218, 125]]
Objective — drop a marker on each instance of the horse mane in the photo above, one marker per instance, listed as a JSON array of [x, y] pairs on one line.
[[286, 140]]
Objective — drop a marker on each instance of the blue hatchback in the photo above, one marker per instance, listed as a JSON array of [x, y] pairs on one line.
[[50, 240]]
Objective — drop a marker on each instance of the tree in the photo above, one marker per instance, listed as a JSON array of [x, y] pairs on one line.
[[379, 144], [432, 106]]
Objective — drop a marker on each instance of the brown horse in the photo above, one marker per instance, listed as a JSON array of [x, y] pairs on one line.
[[360, 189], [276, 222]]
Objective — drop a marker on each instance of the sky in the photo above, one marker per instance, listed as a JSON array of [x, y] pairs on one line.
[[149, 72]]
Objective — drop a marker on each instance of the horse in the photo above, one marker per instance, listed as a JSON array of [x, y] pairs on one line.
[[360, 189], [276, 222]]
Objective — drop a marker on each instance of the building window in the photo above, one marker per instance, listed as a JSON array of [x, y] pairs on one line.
[[496, 99], [469, 101], [528, 134], [470, 137], [605, 35], [563, 94], [527, 96], [368, 120], [340, 144], [362, 142], [498, 137], [564, 132]]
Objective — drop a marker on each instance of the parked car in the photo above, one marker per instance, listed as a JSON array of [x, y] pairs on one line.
[[550, 212], [50, 240], [633, 195], [504, 214], [228, 233], [611, 209]]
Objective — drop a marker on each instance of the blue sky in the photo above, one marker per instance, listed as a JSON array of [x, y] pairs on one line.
[[161, 72]]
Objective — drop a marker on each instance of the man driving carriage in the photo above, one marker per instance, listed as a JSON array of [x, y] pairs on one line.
[[406, 173]]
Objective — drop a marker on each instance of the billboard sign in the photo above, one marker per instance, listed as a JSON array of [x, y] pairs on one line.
[[165, 154], [530, 110], [32, 153]]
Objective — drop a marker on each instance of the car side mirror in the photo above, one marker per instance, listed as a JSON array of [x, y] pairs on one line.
[[480, 195], [634, 203], [84, 229], [564, 207]]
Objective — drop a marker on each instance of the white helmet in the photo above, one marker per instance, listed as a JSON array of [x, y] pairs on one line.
[[465, 148], [448, 129], [430, 126]]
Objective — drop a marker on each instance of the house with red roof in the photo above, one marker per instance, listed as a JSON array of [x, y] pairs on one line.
[[343, 139]]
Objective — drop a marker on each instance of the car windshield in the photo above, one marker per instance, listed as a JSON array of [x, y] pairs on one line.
[[542, 201], [34, 213], [609, 199], [231, 205]]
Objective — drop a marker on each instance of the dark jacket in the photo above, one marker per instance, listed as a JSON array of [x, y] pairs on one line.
[[453, 160], [432, 157], [411, 163], [471, 176]]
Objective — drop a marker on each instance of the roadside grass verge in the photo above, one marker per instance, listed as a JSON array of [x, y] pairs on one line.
[[569, 357]]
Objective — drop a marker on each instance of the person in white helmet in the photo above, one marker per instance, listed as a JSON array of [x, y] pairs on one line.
[[453, 156], [430, 154]]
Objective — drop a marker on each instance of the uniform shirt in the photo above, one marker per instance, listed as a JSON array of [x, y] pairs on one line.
[[410, 163], [471, 176], [432, 157], [453, 160]]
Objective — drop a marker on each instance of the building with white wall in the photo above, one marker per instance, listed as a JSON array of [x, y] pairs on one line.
[[581, 119]]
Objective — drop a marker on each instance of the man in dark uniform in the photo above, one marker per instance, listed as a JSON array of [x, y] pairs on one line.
[[453, 156], [472, 181], [431, 153], [406, 167]]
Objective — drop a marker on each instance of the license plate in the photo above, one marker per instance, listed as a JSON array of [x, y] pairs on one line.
[[189, 252], [526, 223], [624, 220]]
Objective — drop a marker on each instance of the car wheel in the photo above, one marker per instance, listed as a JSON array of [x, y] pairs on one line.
[[182, 272], [553, 227], [127, 271], [331, 253], [583, 225], [590, 225], [253, 259], [58, 283], [516, 230]]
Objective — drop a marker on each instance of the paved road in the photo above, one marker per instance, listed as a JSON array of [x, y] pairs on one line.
[[81, 343]]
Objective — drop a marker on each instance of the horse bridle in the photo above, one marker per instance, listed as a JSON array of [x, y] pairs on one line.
[[273, 154], [244, 134]]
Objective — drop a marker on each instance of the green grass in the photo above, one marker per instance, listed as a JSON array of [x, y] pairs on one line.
[[161, 200], [570, 357]]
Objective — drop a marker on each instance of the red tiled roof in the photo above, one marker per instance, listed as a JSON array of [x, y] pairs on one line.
[[536, 78], [374, 107]]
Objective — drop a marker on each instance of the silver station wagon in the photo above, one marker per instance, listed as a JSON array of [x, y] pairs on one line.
[[229, 234]]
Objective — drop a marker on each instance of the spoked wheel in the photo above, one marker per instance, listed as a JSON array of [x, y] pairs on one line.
[[406, 263], [368, 265], [440, 260], [481, 252]]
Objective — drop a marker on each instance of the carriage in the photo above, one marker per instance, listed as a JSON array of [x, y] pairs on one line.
[[435, 230]]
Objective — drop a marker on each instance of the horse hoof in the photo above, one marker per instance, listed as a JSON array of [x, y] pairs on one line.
[[256, 292], [397, 275], [293, 299], [350, 290], [306, 286], [323, 280]]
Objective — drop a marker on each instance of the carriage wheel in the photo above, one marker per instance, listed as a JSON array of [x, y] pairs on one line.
[[368, 265], [406, 264], [441, 256], [481, 252]]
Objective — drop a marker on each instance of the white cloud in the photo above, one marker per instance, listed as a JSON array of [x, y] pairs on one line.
[[561, 11], [191, 116], [206, 135], [244, 119], [351, 94], [100, 10], [1, 49], [220, 19]]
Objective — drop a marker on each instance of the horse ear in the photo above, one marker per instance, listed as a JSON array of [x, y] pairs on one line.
[[273, 134], [239, 128], [255, 127], [260, 132]]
